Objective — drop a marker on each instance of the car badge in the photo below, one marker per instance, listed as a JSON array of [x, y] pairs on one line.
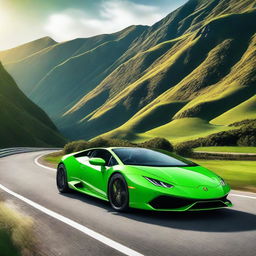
[[205, 188]]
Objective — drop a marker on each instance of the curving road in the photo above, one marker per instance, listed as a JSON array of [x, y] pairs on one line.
[[222, 232]]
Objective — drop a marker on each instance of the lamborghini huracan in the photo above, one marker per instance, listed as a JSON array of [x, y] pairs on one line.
[[131, 177]]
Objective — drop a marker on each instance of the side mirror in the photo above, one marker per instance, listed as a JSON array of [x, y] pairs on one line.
[[97, 161]]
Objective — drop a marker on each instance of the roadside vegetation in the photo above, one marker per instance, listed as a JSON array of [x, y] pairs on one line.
[[16, 233], [243, 136], [53, 158], [227, 149]]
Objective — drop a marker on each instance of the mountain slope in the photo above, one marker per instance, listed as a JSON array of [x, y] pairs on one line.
[[80, 63], [25, 50], [238, 113], [223, 80], [22, 122], [186, 70], [79, 74], [200, 67]]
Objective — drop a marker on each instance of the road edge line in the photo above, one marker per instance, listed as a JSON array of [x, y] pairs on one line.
[[41, 165], [251, 197], [93, 234]]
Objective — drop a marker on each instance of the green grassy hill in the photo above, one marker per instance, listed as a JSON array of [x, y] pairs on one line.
[[22, 122], [189, 75], [238, 113]]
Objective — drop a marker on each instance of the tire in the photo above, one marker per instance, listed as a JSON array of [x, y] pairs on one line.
[[61, 179], [118, 194]]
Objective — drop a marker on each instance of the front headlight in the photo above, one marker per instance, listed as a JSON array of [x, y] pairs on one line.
[[222, 182], [158, 183]]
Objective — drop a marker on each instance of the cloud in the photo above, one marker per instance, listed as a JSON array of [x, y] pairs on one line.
[[113, 15]]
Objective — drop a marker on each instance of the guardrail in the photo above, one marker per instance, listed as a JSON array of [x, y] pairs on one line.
[[18, 150]]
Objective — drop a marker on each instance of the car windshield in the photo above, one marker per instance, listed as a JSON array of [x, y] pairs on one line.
[[148, 157]]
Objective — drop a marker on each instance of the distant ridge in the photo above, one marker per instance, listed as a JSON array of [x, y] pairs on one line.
[[25, 50]]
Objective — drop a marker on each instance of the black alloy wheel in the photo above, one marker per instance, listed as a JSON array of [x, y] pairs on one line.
[[118, 193], [61, 179]]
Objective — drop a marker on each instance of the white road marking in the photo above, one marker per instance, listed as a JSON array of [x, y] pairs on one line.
[[41, 165], [251, 197], [105, 240]]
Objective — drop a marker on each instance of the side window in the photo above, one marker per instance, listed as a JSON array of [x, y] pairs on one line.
[[84, 153], [112, 161], [106, 155]]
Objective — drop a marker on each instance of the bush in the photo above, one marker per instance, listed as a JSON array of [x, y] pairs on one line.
[[121, 143], [101, 142], [183, 149], [244, 122], [248, 140], [98, 142], [157, 143], [16, 233], [74, 146], [81, 145]]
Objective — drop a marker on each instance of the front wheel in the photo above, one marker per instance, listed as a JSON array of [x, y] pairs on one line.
[[61, 179], [118, 193]]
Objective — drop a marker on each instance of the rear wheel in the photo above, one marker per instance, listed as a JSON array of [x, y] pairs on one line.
[[61, 179], [118, 193]]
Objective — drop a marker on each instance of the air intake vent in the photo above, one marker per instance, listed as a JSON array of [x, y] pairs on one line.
[[169, 202], [208, 205]]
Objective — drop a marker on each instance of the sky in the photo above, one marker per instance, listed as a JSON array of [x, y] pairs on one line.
[[22, 21]]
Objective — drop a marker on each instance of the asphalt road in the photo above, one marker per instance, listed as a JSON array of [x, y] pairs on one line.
[[220, 232]]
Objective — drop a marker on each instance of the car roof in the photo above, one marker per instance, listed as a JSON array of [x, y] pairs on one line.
[[111, 147]]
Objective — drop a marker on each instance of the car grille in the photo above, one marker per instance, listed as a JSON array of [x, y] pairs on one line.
[[208, 205], [169, 202]]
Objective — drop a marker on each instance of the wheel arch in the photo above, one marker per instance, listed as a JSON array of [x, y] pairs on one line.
[[60, 164], [65, 168]]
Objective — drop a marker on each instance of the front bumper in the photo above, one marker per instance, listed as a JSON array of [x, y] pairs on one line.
[[170, 203], [179, 198]]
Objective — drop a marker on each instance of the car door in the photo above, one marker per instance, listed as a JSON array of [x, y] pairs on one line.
[[82, 159], [96, 176]]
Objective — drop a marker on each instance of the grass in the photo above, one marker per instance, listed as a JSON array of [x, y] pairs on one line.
[[227, 149], [246, 109], [186, 129], [177, 131], [239, 174], [53, 158], [16, 233]]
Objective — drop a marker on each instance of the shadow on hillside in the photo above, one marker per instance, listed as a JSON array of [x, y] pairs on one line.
[[222, 220]]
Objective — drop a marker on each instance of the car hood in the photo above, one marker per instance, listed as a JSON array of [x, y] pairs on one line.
[[193, 176]]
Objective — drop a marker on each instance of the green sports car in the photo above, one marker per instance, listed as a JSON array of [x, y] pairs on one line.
[[142, 178]]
